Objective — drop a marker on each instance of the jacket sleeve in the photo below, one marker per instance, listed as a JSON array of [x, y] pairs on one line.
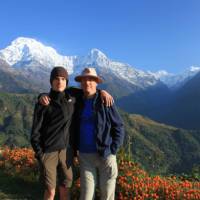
[[75, 92], [73, 134], [117, 129], [36, 130]]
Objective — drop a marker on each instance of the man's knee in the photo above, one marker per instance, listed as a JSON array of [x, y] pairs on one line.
[[49, 193]]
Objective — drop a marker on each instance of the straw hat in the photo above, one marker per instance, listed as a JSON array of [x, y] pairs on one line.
[[89, 72]]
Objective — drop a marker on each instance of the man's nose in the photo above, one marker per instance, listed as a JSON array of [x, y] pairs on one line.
[[87, 82]]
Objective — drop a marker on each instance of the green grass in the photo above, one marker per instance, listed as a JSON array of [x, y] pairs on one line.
[[15, 188]]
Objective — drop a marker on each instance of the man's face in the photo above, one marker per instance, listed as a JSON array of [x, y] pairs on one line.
[[59, 84], [89, 86]]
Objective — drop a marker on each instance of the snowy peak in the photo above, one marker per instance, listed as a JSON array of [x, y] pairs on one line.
[[96, 54], [99, 60], [27, 51], [174, 81], [24, 49], [32, 55], [194, 68], [96, 57], [159, 74], [30, 42]]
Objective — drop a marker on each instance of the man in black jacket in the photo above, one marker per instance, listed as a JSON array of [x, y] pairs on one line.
[[50, 135]]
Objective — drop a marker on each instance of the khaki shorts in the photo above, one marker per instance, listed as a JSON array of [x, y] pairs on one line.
[[52, 166]]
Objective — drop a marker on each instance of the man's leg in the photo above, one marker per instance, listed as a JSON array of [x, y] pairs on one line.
[[108, 172], [64, 193], [50, 162], [49, 194], [88, 175], [65, 176]]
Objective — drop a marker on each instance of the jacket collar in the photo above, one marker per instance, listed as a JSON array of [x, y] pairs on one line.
[[56, 95]]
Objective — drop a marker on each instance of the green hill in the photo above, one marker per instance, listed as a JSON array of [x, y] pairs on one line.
[[158, 147], [161, 148], [16, 118]]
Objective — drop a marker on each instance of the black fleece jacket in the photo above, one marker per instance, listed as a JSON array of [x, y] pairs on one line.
[[51, 124]]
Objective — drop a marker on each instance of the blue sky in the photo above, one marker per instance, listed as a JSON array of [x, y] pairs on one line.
[[147, 34]]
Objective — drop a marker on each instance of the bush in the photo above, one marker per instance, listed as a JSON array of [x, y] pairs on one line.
[[133, 183]]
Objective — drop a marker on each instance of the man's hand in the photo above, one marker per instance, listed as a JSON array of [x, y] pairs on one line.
[[44, 100], [76, 161], [106, 98]]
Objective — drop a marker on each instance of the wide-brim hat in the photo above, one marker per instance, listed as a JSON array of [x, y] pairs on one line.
[[89, 72]]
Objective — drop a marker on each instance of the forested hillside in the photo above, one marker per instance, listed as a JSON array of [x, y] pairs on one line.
[[158, 147]]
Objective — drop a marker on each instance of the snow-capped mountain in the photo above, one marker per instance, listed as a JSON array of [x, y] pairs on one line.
[[124, 71], [28, 52], [35, 60], [30, 58], [175, 81], [160, 74]]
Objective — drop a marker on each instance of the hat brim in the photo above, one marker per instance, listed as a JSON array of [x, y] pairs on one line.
[[96, 78]]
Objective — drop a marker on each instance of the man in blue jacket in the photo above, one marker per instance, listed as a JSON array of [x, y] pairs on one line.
[[100, 132]]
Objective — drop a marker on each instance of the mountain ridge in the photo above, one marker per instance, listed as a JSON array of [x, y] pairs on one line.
[[25, 52], [28, 53]]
